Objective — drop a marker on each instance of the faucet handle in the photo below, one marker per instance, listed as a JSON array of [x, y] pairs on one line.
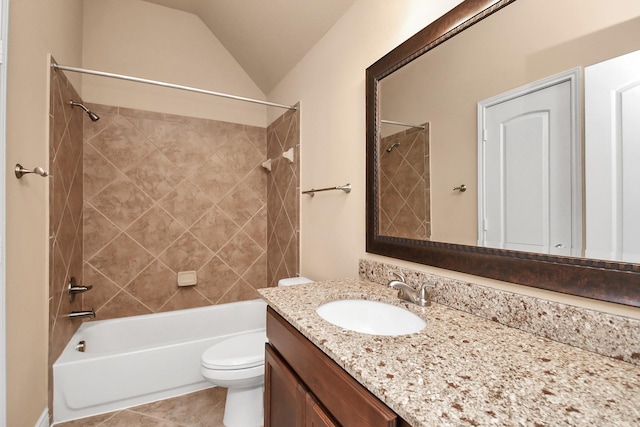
[[424, 295], [399, 276]]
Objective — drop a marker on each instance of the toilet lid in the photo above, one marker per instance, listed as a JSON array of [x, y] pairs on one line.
[[237, 352]]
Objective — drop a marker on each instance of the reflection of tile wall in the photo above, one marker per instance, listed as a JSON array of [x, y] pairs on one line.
[[164, 194], [405, 207], [283, 200], [65, 211]]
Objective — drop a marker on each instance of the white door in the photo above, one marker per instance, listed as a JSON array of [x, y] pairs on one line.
[[612, 159], [527, 188]]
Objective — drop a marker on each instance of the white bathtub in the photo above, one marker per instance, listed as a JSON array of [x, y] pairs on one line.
[[140, 359]]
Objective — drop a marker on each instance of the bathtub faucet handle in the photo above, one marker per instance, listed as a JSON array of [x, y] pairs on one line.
[[74, 289]]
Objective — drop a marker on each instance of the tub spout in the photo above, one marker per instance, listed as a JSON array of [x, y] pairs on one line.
[[82, 314]]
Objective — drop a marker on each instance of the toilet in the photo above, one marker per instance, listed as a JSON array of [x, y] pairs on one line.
[[237, 363]]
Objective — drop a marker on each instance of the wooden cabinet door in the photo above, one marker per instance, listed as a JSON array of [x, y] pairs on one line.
[[315, 414], [284, 396], [348, 402]]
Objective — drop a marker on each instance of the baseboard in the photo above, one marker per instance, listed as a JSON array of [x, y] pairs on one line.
[[43, 421]]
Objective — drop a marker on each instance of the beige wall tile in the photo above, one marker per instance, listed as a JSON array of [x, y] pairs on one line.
[[193, 188], [283, 200]]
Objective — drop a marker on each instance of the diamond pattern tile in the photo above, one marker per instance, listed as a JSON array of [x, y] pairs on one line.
[[240, 204], [65, 210], [121, 143], [215, 279], [155, 285], [155, 175], [98, 172], [283, 200], [121, 260], [240, 252], [186, 203], [167, 193], [155, 230], [405, 185], [98, 231], [186, 253], [122, 202], [215, 229]]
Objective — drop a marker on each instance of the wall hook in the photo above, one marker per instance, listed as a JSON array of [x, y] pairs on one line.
[[20, 171]]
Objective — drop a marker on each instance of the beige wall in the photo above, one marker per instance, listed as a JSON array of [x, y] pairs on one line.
[[36, 28], [333, 140], [329, 82], [145, 40]]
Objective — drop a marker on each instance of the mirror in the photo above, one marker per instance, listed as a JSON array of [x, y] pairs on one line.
[[481, 50]]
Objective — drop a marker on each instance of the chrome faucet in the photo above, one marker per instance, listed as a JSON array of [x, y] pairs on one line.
[[420, 297], [82, 314]]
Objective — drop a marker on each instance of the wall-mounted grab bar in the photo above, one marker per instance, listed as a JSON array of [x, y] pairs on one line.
[[346, 188]]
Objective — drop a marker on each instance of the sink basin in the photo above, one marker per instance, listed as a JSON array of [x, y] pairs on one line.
[[371, 317]]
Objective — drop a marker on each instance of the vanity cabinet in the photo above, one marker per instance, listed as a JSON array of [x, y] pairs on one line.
[[304, 387]]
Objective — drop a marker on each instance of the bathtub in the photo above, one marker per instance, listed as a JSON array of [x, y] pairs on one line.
[[140, 359]]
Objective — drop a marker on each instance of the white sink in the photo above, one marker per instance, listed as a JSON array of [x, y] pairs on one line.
[[371, 317]]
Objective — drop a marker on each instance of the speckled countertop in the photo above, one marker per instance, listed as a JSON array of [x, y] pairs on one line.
[[465, 370]]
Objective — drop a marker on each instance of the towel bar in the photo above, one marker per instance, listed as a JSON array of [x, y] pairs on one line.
[[346, 188]]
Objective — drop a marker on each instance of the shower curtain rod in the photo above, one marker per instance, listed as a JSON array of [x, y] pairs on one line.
[[169, 85], [391, 122]]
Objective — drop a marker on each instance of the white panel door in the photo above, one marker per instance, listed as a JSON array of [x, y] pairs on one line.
[[612, 159], [526, 172]]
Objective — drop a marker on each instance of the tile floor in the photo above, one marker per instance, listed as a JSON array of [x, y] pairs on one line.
[[200, 409]]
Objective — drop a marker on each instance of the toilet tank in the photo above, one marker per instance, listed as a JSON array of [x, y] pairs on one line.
[[291, 281]]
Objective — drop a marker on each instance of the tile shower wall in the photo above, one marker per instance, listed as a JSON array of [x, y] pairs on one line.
[[283, 198], [405, 209], [65, 210], [166, 193]]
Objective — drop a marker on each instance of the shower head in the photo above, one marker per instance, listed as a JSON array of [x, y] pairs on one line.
[[392, 146], [93, 116]]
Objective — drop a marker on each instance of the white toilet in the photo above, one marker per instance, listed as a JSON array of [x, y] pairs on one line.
[[237, 363]]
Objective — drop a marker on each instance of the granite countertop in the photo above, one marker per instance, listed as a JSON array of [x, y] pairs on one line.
[[466, 370]]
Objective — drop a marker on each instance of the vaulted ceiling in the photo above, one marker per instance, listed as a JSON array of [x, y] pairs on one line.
[[267, 37]]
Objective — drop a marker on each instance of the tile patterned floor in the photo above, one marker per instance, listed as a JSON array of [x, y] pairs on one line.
[[200, 409]]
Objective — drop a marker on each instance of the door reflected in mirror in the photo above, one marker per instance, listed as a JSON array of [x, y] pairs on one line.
[[612, 158]]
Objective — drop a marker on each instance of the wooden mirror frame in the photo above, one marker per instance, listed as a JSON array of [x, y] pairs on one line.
[[610, 281]]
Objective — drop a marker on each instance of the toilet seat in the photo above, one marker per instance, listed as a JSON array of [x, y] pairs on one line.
[[238, 352]]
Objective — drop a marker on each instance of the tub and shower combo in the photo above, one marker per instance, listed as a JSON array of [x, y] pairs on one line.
[[119, 363]]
